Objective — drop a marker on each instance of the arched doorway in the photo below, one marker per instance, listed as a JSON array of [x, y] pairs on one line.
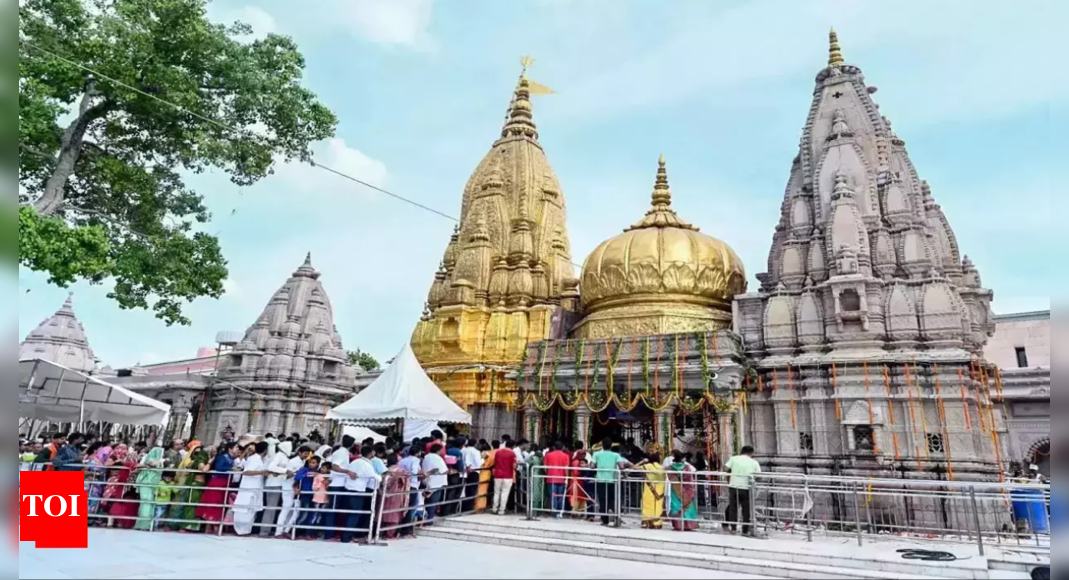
[[1041, 458]]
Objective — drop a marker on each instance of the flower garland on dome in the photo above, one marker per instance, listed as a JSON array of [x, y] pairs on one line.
[[578, 346], [557, 347], [646, 366], [541, 356], [594, 368], [521, 376], [677, 387]]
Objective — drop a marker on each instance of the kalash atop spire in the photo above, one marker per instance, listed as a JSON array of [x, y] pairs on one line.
[[507, 268]]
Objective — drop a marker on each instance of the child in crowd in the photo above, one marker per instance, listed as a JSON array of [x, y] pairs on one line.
[[313, 482], [166, 492]]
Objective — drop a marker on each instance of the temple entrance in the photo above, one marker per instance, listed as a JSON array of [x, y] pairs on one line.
[[1041, 459], [623, 426]]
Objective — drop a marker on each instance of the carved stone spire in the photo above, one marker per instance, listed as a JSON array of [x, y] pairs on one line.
[[60, 339], [511, 210]]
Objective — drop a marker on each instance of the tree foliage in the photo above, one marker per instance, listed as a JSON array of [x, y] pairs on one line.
[[363, 360], [102, 166]]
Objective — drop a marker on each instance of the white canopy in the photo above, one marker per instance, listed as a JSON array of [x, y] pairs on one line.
[[403, 391], [420, 429], [53, 392], [360, 433]]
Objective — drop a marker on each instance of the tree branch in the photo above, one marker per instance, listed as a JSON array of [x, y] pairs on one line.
[[70, 150]]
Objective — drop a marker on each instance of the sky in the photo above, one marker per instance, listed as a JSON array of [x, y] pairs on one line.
[[721, 88]]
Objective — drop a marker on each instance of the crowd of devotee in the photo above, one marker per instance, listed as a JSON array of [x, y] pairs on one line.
[[354, 491]]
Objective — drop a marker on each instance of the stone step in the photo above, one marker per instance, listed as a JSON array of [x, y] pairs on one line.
[[732, 565], [709, 546]]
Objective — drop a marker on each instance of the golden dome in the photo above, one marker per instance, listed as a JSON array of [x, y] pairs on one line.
[[660, 276]]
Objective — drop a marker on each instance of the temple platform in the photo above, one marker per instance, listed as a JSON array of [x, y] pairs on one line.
[[780, 556]]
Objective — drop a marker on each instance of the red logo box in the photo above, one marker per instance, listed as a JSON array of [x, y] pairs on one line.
[[53, 509]]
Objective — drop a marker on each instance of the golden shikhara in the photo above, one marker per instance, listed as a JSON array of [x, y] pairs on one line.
[[660, 276], [506, 270]]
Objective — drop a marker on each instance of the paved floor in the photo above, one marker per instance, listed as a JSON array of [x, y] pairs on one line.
[[127, 554]]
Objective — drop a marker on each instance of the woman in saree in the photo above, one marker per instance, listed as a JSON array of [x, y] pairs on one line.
[[581, 484], [193, 478], [216, 494], [653, 490], [95, 476], [148, 478], [537, 480], [484, 478], [120, 499], [395, 504], [683, 494]]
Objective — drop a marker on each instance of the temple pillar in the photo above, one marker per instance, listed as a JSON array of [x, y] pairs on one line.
[[176, 423], [582, 425], [532, 423], [726, 437], [666, 429]]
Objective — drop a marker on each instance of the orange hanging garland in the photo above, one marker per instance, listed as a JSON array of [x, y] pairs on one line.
[[630, 366], [657, 371], [835, 392], [894, 441], [890, 399], [794, 416], [775, 381]]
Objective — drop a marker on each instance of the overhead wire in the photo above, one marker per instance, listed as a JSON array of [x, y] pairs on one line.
[[244, 133]]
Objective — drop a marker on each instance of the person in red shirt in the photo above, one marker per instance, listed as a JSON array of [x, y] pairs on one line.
[[437, 438], [556, 462], [504, 476]]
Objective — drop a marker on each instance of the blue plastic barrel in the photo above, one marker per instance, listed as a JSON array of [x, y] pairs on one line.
[[1029, 505]]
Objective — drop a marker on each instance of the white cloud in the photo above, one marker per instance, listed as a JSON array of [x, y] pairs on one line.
[[400, 22], [231, 288], [334, 154]]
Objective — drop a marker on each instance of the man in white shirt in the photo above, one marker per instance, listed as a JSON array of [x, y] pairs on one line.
[[413, 466], [473, 462], [288, 517], [337, 500], [365, 482], [273, 492], [437, 474], [250, 499]]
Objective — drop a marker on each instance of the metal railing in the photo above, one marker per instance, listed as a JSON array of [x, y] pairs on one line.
[[983, 514], [116, 499]]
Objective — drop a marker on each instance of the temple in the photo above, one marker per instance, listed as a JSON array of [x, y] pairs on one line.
[[61, 339], [861, 353], [282, 376], [867, 332], [653, 357], [506, 277]]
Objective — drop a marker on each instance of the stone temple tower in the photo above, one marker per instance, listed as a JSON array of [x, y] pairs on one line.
[[869, 325], [506, 278], [287, 372], [60, 339]]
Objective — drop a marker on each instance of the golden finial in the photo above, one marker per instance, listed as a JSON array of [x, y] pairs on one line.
[[661, 214], [519, 120], [662, 194], [835, 52]]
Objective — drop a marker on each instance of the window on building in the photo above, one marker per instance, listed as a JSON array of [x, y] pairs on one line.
[[805, 441], [1022, 358], [850, 300], [864, 438], [936, 443]]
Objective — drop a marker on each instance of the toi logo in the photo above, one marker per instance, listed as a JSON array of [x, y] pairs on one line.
[[53, 509]]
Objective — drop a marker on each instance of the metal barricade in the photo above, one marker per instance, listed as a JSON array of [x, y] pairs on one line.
[[979, 513]]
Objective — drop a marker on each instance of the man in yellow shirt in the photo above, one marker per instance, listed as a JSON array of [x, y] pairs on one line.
[[742, 468]]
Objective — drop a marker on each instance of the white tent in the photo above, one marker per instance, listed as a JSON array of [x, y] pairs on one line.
[[360, 433], [420, 429], [403, 391], [53, 392]]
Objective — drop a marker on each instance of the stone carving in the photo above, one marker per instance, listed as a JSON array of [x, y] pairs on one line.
[[866, 298]]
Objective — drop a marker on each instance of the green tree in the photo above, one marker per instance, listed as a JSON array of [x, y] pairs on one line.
[[363, 360], [101, 165]]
